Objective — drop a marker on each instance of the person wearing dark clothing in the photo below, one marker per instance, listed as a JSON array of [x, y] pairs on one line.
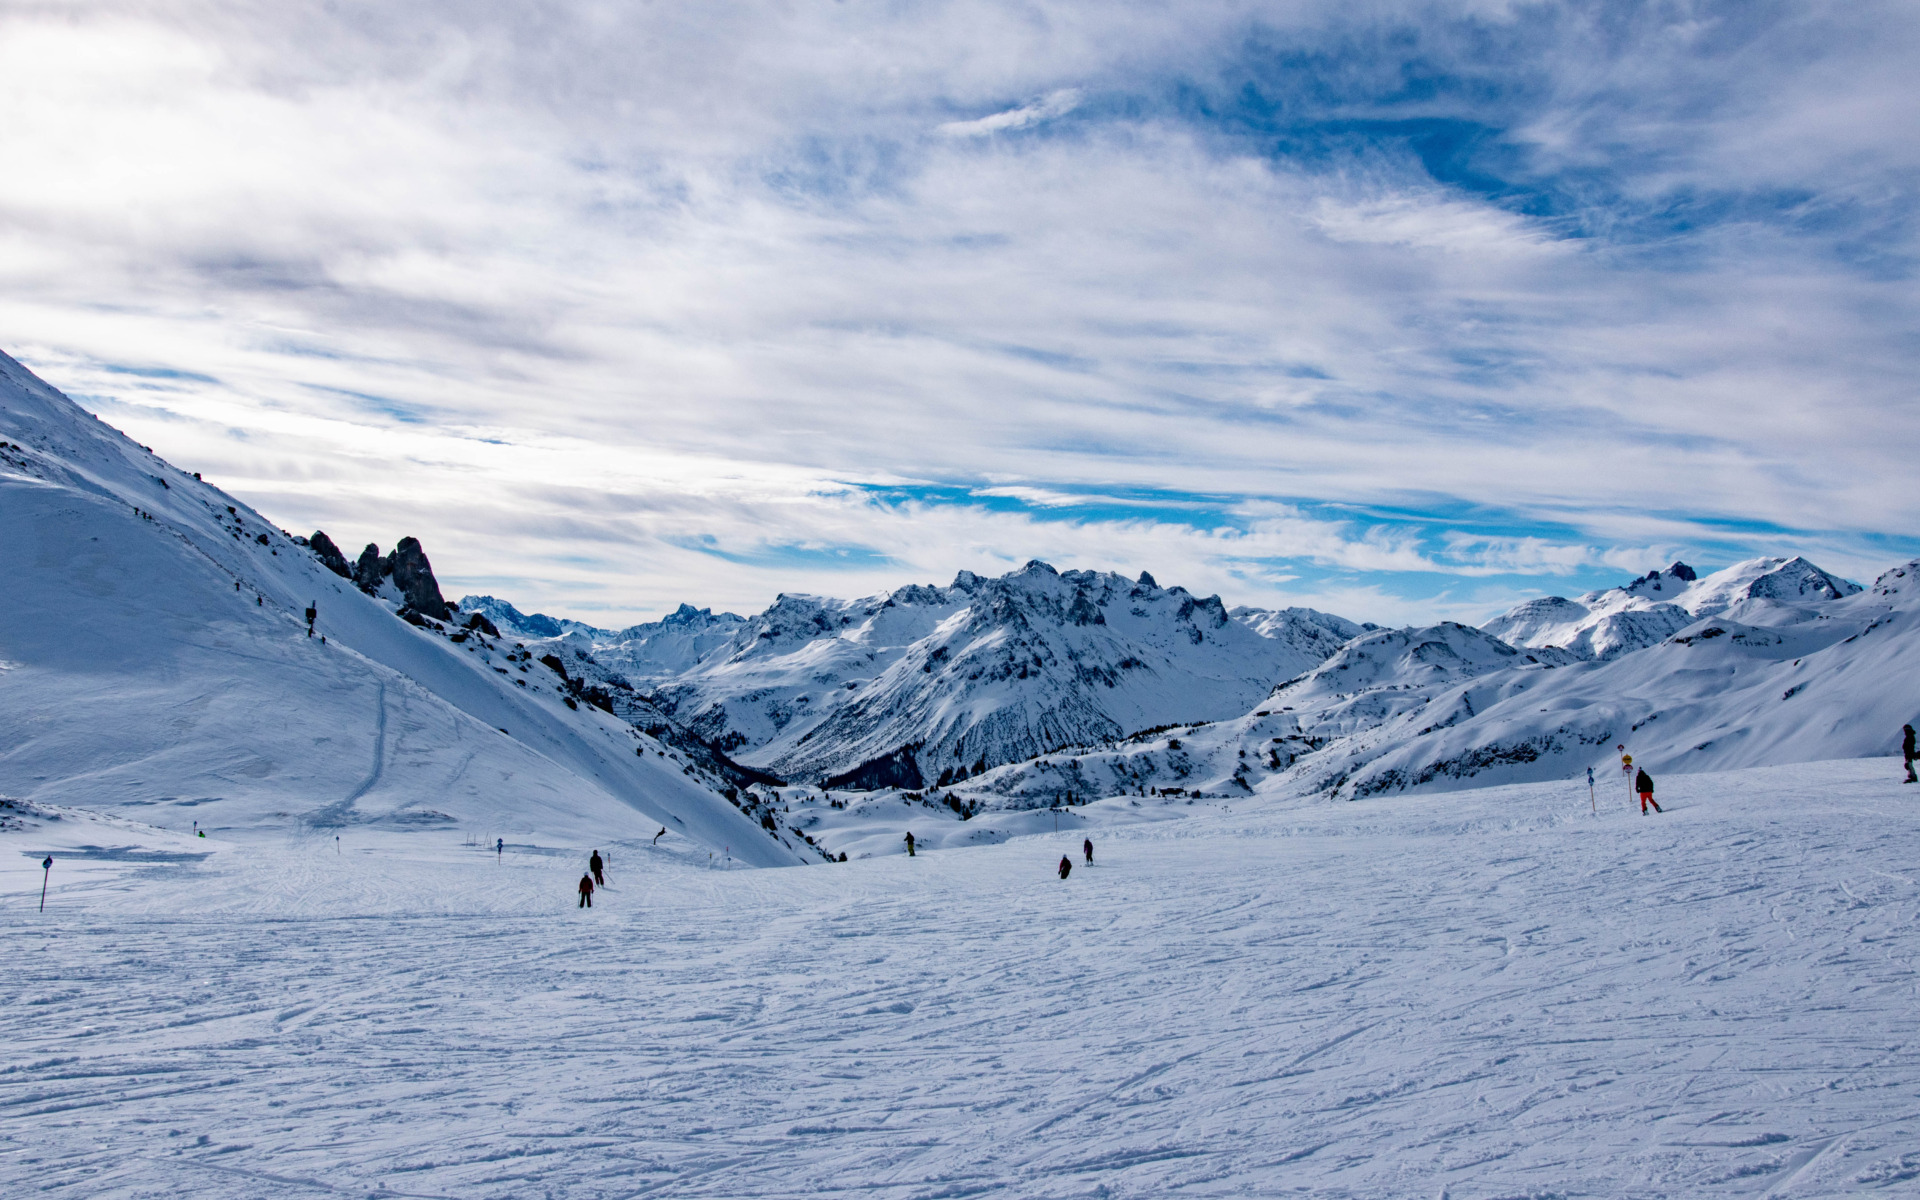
[[1907, 752], [909, 843], [1086, 848], [1643, 783], [1066, 866], [586, 891], [596, 864]]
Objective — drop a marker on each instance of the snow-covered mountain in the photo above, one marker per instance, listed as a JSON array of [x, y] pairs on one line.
[[1786, 664], [1619, 620], [155, 661], [924, 684]]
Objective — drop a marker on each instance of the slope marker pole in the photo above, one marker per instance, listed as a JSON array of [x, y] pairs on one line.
[[46, 869]]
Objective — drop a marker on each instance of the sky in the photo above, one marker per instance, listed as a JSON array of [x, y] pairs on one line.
[[1404, 311]]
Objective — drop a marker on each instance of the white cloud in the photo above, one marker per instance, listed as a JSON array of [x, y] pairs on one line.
[[653, 279], [1054, 104]]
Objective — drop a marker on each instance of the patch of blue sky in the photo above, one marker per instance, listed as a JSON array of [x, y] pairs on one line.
[[166, 373], [1049, 358], [848, 557], [1061, 502], [386, 406]]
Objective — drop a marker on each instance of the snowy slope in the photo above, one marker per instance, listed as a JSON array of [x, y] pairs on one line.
[[1764, 681], [924, 683], [153, 658], [1480, 995]]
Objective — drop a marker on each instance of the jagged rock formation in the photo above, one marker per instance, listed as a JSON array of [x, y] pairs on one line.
[[329, 554], [413, 575], [370, 569]]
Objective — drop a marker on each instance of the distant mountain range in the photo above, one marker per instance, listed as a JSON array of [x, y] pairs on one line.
[[155, 654]]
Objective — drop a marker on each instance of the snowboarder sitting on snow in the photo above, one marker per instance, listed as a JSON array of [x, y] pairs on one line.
[[909, 843], [586, 891], [1086, 847], [595, 864], [1066, 866], [1643, 783], [1907, 752]]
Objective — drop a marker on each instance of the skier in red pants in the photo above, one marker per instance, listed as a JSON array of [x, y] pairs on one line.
[[1643, 783]]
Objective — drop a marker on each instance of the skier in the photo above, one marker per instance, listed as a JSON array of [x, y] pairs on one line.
[[586, 891], [1086, 848], [499, 848], [1066, 866], [909, 843], [595, 864], [661, 834], [313, 611], [1643, 783], [1907, 753]]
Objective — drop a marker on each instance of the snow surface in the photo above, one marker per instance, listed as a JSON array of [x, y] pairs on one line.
[[1474, 994]]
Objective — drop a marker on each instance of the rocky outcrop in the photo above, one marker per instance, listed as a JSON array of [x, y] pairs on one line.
[[413, 575], [329, 554], [370, 569]]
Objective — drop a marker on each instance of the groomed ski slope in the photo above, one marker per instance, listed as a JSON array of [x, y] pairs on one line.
[[1478, 994]]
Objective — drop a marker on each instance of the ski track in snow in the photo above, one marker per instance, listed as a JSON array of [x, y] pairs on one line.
[[1473, 995]]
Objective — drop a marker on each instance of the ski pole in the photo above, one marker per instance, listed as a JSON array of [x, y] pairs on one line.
[[46, 868]]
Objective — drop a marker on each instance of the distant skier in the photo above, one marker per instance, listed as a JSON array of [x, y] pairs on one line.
[[313, 612], [1066, 866], [661, 834], [1086, 848], [909, 843], [596, 864], [586, 891], [1907, 753], [1643, 783], [499, 848]]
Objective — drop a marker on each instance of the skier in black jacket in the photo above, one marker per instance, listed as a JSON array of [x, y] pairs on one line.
[[1086, 847], [596, 864], [1907, 752], [1643, 783], [1066, 866]]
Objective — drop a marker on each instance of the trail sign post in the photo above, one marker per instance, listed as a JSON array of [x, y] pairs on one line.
[[46, 869]]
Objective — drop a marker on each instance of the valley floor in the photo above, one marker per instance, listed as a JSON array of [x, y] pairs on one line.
[[1479, 994]]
